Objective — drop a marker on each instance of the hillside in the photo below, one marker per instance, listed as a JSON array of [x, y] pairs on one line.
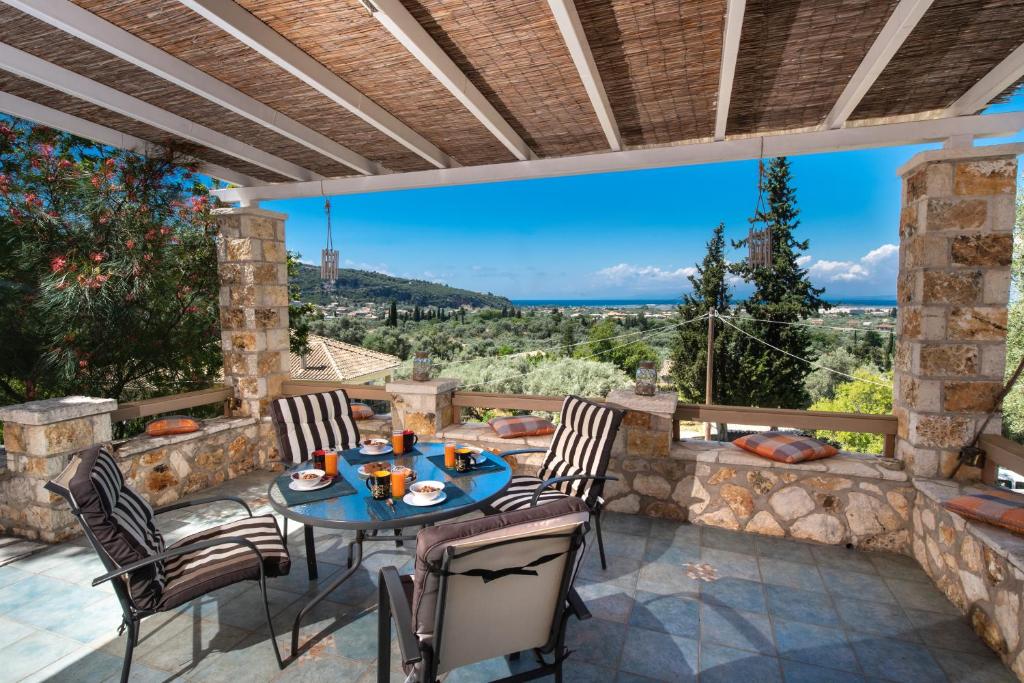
[[364, 286]]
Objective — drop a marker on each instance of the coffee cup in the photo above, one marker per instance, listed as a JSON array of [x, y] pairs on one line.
[[379, 484], [465, 460]]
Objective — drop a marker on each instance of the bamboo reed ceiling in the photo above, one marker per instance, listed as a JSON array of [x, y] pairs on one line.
[[955, 44], [659, 62]]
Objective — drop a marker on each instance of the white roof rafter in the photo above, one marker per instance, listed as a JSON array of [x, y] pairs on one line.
[[403, 26], [899, 25], [54, 118], [568, 20], [736, 149], [96, 31], [730, 49], [239, 23], [1005, 74], [39, 70]]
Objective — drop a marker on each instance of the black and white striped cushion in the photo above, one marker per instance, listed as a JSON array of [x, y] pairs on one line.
[[311, 422], [581, 444], [121, 520], [199, 572]]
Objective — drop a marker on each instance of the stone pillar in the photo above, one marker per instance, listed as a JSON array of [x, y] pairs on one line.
[[956, 241], [253, 266], [39, 437], [424, 407], [648, 426]]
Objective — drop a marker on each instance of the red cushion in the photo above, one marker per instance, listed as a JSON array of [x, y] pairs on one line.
[[995, 506], [521, 425], [174, 424], [361, 411], [788, 448]]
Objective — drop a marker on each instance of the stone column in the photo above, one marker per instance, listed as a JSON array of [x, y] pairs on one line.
[[423, 407], [253, 266], [39, 437], [648, 427], [956, 241]]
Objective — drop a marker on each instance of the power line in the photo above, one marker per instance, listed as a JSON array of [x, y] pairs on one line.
[[810, 362], [814, 327]]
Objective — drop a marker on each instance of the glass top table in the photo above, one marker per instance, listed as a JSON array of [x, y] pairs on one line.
[[354, 511]]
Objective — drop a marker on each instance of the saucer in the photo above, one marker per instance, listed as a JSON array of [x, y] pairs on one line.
[[410, 500], [323, 484], [387, 449]]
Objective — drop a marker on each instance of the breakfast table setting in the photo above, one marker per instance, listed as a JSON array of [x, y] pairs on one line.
[[384, 484]]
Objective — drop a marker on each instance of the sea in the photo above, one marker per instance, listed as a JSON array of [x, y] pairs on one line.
[[852, 302]]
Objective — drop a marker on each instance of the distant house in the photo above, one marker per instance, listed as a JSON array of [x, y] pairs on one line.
[[329, 360]]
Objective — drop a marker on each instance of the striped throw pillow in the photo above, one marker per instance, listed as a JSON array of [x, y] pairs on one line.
[[311, 422], [521, 425], [788, 448], [361, 411], [994, 506]]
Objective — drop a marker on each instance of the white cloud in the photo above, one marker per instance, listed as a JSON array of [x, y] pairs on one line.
[[877, 267], [643, 277]]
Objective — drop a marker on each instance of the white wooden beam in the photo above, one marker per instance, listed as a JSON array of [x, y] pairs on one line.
[[53, 118], [568, 20], [899, 25], [730, 49], [1005, 74], [96, 31], [236, 21], [403, 26], [736, 149], [39, 70]]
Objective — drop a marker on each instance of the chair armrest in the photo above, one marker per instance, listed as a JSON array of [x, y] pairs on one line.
[[521, 451], [181, 550], [408, 643], [202, 501], [557, 480]]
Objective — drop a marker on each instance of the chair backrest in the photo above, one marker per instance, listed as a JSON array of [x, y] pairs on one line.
[[582, 444], [118, 522], [311, 422], [495, 585]]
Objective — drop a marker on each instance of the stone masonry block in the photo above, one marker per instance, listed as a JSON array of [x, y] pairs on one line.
[[56, 410], [970, 396], [943, 360], [243, 249], [259, 227], [990, 250], [274, 251], [955, 214], [986, 177], [957, 287], [940, 431], [977, 323], [996, 287]]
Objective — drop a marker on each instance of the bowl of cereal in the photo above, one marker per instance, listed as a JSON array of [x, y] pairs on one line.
[[307, 479]]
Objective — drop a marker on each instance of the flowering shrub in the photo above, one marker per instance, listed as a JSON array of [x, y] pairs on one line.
[[108, 280]]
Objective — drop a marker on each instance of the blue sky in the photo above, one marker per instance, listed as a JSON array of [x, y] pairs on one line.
[[630, 235]]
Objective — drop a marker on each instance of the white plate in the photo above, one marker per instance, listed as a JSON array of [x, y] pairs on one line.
[[322, 484], [387, 449], [409, 500]]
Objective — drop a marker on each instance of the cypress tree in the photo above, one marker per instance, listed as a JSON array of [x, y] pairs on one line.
[[393, 315], [710, 289], [782, 294]]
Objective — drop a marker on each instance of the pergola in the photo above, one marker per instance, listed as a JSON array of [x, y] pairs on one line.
[[289, 98]]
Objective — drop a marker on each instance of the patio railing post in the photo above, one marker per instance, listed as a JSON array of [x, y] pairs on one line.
[[253, 266], [424, 407], [956, 233]]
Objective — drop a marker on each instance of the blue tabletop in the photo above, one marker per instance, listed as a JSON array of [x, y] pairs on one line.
[[358, 511]]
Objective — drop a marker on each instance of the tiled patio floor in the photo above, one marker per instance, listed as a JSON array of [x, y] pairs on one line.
[[775, 610]]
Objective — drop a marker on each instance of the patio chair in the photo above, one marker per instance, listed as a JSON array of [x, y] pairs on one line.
[[484, 588], [576, 462], [307, 423], [148, 576]]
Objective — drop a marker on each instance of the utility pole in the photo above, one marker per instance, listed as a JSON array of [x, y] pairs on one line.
[[709, 375]]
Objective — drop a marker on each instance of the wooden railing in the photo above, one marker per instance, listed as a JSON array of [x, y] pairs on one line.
[[169, 404], [1000, 452], [363, 392]]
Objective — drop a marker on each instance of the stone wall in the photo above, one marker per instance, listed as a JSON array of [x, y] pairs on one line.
[[956, 241], [980, 568]]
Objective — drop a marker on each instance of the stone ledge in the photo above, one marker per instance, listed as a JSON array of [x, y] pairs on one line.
[[663, 403], [431, 387], [53, 410], [481, 432], [142, 443], [1000, 541], [845, 464]]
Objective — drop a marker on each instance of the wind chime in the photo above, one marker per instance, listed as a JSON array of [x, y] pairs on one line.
[[329, 256], [759, 240]]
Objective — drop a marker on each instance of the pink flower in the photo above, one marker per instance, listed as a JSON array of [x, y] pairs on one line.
[[83, 363], [130, 244], [150, 234], [164, 230], [33, 200], [96, 257], [64, 163], [192, 309], [46, 150], [147, 257], [104, 218], [57, 263]]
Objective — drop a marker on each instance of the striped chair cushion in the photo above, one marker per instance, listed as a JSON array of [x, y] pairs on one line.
[[787, 448], [520, 425], [121, 520], [307, 423], [582, 444], [201, 571], [995, 506]]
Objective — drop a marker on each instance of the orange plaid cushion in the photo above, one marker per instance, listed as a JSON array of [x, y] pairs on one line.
[[361, 411], [788, 448], [521, 425], [995, 506]]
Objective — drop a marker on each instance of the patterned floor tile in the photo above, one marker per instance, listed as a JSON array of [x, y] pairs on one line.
[[947, 632], [671, 551], [606, 600], [626, 524], [799, 672], [660, 656], [624, 545], [897, 660], [666, 579], [596, 641], [738, 594], [923, 596], [964, 668], [814, 645], [843, 558], [809, 607], [844, 583], [668, 613], [729, 563], [33, 652], [793, 574], [741, 630], [874, 618], [725, 665], [784, 549], [734, 541]]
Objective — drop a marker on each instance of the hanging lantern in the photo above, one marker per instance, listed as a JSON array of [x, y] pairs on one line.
[[759, 239], [329, 256]]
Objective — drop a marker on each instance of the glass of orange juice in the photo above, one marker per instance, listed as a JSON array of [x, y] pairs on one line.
[[449, 454], [398, 475], [398, 441], [331, 463]]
